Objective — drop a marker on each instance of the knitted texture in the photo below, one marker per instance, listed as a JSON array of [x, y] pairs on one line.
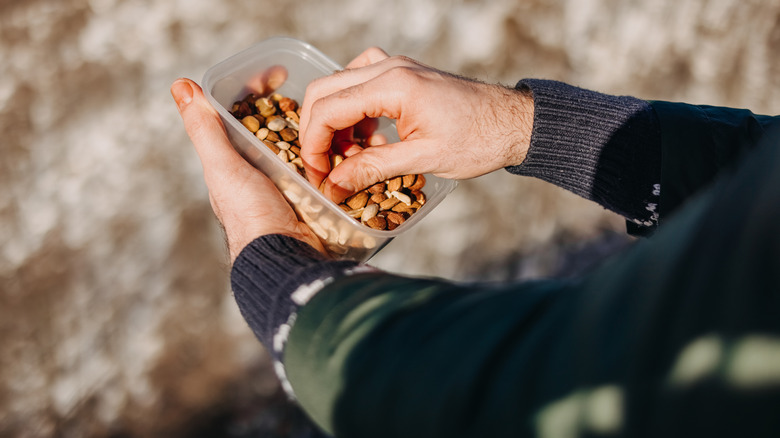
[[268, 271], [604, 148]]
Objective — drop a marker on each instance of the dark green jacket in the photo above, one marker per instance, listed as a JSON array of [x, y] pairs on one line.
[[678, 336]]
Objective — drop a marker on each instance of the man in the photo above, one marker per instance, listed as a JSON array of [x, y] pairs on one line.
[[679, 336]]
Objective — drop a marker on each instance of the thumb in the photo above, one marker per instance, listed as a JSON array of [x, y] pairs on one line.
[[375, 164], [205, 129]]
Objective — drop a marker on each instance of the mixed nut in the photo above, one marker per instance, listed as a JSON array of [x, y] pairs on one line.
[[274, 120]]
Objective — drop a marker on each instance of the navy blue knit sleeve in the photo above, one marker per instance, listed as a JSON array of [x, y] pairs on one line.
[[604, 148]]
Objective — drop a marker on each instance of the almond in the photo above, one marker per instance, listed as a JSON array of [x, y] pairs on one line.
[[377, 188], [388, 203], [419, 183], [395, 184], [358, 200], [377, 223]]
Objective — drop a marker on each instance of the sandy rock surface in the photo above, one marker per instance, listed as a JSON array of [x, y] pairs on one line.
[[116, 316]]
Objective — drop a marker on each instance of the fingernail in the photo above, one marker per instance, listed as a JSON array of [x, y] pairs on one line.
[[181, 91]]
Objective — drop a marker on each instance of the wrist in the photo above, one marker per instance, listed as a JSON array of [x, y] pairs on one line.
[[513, 112]]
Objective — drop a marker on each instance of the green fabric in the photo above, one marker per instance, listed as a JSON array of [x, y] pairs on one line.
[[649, 344], [698, 142]]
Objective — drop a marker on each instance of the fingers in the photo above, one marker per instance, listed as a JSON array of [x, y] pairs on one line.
[[370, 56], [315, 154], [205, 129], [374, 164], [267, 81]]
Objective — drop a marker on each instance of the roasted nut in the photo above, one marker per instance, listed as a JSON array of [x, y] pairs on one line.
[[378, 197], [369, 211], [377, 188], [419, 183], [358, 200], [287, 104], [402, 197], [251, 123], [402, 208], [271, 146], [395, 184], [377, 223], [419, 196], [292, 115], [335, 160], [277, 124], [288, 134], [388, 203], [382, 206], [272, 136], [262, 133]]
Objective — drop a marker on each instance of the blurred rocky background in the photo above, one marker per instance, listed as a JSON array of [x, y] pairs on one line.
[[116, 318]]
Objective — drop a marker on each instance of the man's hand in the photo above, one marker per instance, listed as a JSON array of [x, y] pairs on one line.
[[244, 200], [449, 126]]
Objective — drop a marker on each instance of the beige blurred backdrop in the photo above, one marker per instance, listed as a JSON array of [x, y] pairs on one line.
[[116, 317]]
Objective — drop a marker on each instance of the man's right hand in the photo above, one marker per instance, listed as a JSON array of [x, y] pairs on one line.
[[449, 126]]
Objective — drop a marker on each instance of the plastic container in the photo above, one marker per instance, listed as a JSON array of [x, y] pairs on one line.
[[228, 82]]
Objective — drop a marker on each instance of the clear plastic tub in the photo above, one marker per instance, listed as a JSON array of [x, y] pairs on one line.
[[228, 82]]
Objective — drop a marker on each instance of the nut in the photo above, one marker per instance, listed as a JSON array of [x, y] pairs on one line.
[[395, 184], [286, 104], [369, 212], [377, 223], [288, 134], [251, 123], [262, 133], [419, 183], [277, 124], [358, 200], [388, 203], [377, 188], [272, 146], [382, 206], [335, 160]]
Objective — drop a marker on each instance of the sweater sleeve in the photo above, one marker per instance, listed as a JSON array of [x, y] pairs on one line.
[[604, 148]]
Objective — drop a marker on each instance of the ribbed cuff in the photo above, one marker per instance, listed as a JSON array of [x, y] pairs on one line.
[[604, 148], [268, 271]]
